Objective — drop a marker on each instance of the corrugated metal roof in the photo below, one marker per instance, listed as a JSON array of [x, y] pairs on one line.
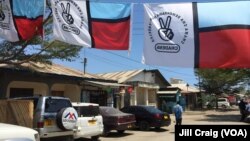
[[51, 69], [120, 76], [184, 88]]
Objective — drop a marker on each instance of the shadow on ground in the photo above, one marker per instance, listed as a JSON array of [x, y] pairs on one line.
[[151, 130], [117, 135], [221, 118]]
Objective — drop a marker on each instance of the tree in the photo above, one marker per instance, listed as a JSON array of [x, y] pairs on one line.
[[38, 49], [218, 81]]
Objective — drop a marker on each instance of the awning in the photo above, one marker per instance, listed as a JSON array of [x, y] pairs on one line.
[[107, 84], [167, 92]]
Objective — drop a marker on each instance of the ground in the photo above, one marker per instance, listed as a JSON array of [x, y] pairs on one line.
[[212, 117]]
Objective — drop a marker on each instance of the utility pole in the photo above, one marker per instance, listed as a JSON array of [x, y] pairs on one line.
[[84, 64]]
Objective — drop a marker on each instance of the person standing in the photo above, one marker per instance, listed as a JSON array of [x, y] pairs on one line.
[[178, 110], [242, 107]]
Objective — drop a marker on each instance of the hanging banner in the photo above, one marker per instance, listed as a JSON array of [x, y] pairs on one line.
[[200, 35], [92, 24], [21, 19]]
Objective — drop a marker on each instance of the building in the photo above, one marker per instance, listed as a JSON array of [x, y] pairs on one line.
[[33, 79], [145, 84]]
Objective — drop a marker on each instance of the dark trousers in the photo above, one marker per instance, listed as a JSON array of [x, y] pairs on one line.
[[243, 115], [178, 121]]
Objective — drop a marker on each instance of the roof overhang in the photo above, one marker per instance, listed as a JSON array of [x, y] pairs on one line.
[[106, 84], [167, 92]]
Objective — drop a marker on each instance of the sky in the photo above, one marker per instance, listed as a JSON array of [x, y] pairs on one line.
[[103, 61]]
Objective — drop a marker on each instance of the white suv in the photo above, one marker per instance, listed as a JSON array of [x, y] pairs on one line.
[[54, 117], [223, 103], [89, 122]]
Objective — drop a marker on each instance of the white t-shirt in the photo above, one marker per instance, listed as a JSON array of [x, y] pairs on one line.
[[248, 107]]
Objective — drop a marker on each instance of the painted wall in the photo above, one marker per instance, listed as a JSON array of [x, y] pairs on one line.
[[39, 88], [71, 91], [144, 77]]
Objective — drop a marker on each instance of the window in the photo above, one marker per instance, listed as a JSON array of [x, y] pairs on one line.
[[21, 92]]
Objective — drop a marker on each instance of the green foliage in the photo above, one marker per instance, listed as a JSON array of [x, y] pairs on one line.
[[220, 81], [38, 49]]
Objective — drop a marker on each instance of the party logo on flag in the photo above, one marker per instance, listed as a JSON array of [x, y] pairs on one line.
[[171, 37], [92, 24], [68, 17], [167, 33]]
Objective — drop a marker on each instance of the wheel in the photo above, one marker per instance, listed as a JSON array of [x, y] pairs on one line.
[[144, 126], [94, 138], [120, 131], [105, 132], [157, 128], [66, 118], [223, 106]]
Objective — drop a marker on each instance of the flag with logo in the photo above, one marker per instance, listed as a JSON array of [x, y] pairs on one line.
[[201, 35], [92, 24], [21, 19]]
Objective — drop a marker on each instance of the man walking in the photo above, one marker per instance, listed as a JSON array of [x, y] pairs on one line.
[[242, 107], [178, 110]]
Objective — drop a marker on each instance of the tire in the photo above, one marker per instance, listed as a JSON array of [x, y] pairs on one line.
[[223, 106], [94, 138], [105, 132], [120, 131], [157, 128], [144, 126], [66, 118]]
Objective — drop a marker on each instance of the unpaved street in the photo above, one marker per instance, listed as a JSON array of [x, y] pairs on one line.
[[211, 117]]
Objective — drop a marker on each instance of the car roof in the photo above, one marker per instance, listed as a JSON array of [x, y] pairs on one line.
[[84, 104]]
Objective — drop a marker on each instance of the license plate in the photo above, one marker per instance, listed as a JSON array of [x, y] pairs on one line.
[[48, 122], [129, 126], [92, 122], [165, 117]]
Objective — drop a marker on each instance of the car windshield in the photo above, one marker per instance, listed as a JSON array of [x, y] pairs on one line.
[[109, 110], [54, 105], [152, 110]]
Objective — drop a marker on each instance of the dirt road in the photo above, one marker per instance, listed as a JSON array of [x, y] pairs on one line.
[[211, 117]]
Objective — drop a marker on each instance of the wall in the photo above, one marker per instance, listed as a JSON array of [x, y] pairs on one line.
[[71, 91], [39, 88], [144, 77], [152, 97], [140, 96]]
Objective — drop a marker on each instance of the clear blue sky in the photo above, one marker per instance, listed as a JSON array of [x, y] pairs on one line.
[[101, 61]]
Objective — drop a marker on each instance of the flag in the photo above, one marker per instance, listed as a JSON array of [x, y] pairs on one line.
[[92, 24], [21, 19], [200, 35]]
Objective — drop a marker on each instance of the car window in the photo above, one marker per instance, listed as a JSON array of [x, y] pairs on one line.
[[109, 110], [87, 111], [220, 100], [152, 110], [54, 105]]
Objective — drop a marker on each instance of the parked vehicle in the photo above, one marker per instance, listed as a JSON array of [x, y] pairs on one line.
[[53, 116], [148, 116], [222, 103], [11, 132], [89, 122], [114, 119]]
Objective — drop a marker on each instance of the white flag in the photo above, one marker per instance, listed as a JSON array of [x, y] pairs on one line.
[[7, 27], [71, 22], [169, 35]]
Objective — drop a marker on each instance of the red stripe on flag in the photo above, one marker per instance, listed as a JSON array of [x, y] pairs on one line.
[[225, 49], [28, 28], [111, 36]]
